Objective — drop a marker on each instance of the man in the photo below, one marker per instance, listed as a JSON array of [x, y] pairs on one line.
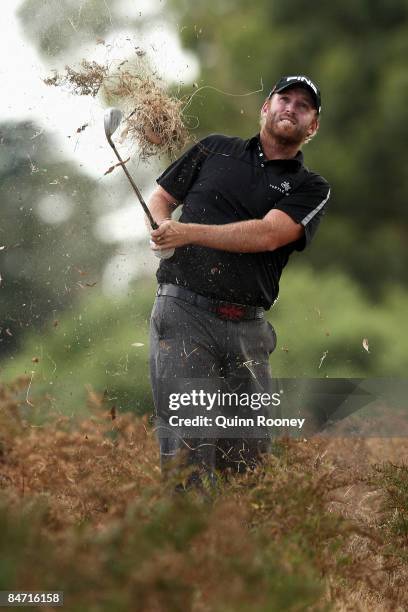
[[247, 205]]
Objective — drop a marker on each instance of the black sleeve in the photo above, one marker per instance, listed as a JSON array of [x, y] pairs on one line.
[[178, 178], [307, 205]]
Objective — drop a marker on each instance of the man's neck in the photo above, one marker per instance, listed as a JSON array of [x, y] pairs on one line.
[[274, 149]]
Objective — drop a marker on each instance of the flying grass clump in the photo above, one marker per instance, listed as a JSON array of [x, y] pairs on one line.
[[84, 82], [153, 120]]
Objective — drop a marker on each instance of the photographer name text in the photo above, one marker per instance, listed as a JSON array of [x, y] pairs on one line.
[[226, 422]]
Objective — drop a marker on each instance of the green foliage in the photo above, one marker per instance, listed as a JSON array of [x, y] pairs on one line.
[[91, 349], [327, 316]]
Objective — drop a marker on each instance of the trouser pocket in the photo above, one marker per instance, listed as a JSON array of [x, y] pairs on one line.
[[273, 337]]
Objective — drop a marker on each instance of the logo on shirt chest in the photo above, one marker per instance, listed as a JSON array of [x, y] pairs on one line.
[[283, 188]]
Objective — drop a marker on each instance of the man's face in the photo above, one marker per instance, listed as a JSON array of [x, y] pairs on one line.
[[290, 116]]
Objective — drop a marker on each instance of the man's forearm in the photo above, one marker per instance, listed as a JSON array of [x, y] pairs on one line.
[[161, 205], [159, 208], [251, 236]]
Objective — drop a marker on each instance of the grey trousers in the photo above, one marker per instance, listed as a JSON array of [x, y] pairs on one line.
[[191, 347]]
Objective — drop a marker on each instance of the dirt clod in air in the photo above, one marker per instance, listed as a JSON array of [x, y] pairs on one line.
[[155, 122], [153, 118]]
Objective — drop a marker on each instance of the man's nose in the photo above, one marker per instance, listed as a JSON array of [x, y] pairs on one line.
[[290, 106]]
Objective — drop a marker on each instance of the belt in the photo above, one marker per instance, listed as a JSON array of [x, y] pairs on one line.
[[229, 311]]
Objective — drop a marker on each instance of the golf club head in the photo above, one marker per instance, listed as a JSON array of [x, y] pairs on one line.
[[111, 120]]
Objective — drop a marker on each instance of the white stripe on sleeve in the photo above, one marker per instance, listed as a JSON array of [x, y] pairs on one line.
[[314, 212]]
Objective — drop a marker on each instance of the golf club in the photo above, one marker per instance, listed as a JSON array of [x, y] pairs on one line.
[[111, 120]]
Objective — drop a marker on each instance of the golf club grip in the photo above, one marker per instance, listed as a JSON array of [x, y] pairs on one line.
[[139, 195]]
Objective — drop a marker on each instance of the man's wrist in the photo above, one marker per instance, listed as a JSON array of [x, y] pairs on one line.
[[160, 220], [193, 232]]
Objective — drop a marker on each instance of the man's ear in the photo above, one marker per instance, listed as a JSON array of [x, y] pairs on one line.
[[314, 126], [265, 106]]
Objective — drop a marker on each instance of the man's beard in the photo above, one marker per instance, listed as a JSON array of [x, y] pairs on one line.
[[295, 136]]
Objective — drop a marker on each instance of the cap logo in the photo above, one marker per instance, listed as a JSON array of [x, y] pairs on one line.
[[304, 79]]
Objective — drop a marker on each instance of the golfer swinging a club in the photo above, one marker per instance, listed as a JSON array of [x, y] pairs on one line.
[[247, 205]]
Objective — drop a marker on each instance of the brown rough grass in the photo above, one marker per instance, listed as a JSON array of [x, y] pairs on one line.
[[309, 516]]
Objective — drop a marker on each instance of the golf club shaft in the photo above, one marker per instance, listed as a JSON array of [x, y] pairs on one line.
[[139, 195]]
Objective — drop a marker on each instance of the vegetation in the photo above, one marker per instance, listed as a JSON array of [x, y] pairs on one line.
[[83, 510]]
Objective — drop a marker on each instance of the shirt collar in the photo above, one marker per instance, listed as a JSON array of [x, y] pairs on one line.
[[296, 161]]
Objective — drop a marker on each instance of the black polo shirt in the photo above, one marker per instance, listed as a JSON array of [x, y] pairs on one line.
[[221, 180]]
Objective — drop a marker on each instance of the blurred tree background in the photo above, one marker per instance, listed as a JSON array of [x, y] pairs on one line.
[[49, 252], [350, 285]]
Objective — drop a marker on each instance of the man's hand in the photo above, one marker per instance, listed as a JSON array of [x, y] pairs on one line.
[[171, 234]]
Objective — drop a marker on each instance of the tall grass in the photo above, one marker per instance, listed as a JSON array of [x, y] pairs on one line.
[[83, 509]]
